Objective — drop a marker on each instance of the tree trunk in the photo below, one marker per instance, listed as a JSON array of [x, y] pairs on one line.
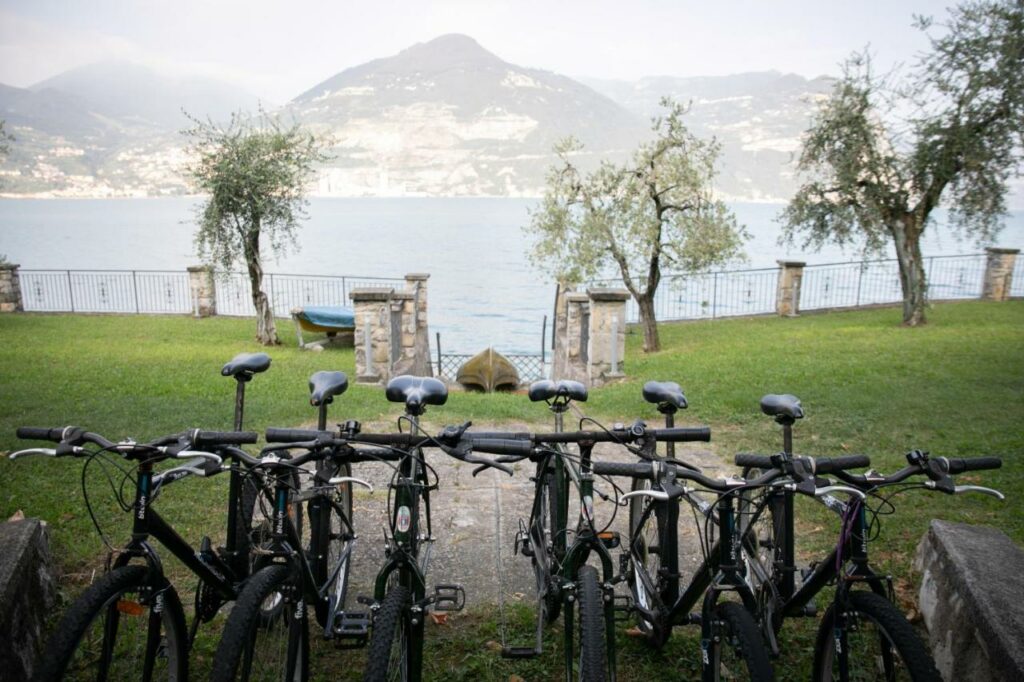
[[266, 330], [650, 325], [907, 237]]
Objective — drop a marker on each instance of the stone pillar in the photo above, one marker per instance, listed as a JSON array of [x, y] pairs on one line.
[[417, 283], [571, 361], [998, 274], [10, 289], [403, 333], [558, 331], [371, 308], [27, 594], [607, 335], [787, 296], [203, 290]]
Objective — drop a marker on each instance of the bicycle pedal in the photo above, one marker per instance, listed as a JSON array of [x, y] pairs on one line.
[[449, 598], [610, 539], [351, 629], [523, 545], [519, 652]]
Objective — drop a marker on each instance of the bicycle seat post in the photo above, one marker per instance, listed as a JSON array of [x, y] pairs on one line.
[[669, 410], [240, 380], [559, 407]]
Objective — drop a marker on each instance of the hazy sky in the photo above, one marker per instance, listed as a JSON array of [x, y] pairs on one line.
[[279, 49]]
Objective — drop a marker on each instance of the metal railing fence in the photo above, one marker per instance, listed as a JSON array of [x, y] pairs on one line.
[[731, 293], [531, 367], [105, 291]]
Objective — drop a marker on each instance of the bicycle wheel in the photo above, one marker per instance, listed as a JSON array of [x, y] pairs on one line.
[[654, 578], [593, 662], [332, 531], [736, 652], [119, 629], [873, 641], [542, 539], [388, 655], [265, 637]]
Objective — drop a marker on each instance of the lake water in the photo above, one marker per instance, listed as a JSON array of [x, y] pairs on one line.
[[483, 290]]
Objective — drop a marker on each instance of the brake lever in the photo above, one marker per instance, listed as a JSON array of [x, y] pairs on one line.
[[979, 489], [189, 454], [829, 489], [485, 463], [338, 480], [48, 452], [650, 492]]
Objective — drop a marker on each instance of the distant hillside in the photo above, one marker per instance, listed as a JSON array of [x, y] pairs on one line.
[[448, 117], [441, 118], [758, 118]]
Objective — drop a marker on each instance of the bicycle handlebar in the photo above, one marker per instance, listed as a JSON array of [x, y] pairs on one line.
[[821, 465]]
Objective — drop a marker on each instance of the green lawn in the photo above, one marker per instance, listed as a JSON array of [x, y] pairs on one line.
[[954, 387]]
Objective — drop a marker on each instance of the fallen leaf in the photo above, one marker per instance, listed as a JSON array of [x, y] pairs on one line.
[[492, 645], [439, 618], [17, 516]]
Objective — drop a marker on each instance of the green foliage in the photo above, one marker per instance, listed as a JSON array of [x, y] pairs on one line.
[[658, 207], [882, 153], [254, 172]]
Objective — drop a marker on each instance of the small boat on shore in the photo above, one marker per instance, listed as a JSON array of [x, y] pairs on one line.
[[488, 371]]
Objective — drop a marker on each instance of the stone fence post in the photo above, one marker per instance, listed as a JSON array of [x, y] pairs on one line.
[[402, 353], [203, 290], [998, 274], [371, 308], [787, 295], [10, 288], [571, 361], [417, 283], [607, 335], [559, 331]]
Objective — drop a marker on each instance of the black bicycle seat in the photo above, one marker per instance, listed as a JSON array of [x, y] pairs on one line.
[[416, 392], [548, 389], [246, 364], [783, 406], [667, 395], [323, 386]]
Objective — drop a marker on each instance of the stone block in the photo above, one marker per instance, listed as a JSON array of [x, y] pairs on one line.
[[971, 587], [787, 294], [998, 280], [27, 593]]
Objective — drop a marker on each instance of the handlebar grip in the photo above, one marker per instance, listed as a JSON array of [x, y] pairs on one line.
[[502, 446], [826, 465], [294, 435], [225, 437], [683, 434], [748, 461], [500, 435], [38, 433], [960, 465], [630, 469]]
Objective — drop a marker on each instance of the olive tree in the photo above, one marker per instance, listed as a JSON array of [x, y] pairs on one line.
[[656, 210], [254, 172], [882, 153]]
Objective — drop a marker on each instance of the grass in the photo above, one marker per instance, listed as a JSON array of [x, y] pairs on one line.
[[954, 387]]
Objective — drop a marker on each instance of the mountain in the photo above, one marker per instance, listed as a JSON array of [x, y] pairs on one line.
[[758, 118], [136, 94], [448, 117], [441, 118]]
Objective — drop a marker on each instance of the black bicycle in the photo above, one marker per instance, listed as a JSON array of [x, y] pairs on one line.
[[130, 623]]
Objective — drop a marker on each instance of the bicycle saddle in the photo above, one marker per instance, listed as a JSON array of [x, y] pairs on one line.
[[782, 406], [548, 389], [246, 364], [323, 386], [416, 392], [667, 395]]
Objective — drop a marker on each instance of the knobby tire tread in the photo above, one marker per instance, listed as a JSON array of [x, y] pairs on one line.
[[386, 624], [752, 648], [593, 660], [65, 639]]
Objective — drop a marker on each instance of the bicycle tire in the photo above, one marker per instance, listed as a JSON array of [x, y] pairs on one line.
[[737, 652], [256, 640], [387, 654], [663, 570], [72, 654], [593, 664], [879, 626], [328, 530], [546, 581]]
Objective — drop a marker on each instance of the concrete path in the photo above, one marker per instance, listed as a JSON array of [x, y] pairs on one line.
[[474, 522]]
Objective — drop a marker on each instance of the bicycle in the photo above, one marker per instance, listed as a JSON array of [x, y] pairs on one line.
[[728, 628], [131, 622], [862, 635]]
